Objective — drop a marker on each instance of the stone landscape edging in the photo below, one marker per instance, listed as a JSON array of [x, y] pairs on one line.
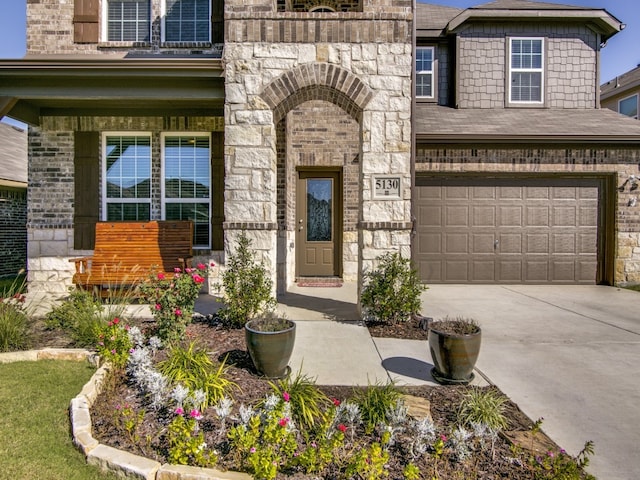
[[96, 453]]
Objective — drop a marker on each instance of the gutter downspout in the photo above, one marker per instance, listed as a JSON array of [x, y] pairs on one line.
[[413, 127]]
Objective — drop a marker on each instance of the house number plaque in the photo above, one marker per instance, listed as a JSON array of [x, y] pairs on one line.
[[386, 187]]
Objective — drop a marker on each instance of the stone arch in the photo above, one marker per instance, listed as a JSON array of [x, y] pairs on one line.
[[317, 81]]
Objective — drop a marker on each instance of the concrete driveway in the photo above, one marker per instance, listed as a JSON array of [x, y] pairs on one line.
[[569, 354]]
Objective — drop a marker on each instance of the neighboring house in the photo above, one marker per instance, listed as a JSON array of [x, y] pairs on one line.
[[331, 132], [622, 94], [13, 199]]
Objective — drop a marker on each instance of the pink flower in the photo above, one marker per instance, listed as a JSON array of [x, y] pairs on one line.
[[198, 279], [179, 411], [286, 396], [342, 428], [158, 306], [113, 352], [188, 270], [177, 269], [116, 321], [202, 266], [212, 264], [252, 450], [195, 414], [178, 312], [161, 276], [127, 327], [443, 438], [336, 402], [283, 422]]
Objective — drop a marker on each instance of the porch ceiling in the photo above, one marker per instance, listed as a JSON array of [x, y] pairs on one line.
[[34, 87]]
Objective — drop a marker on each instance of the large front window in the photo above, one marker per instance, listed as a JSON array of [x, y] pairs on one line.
[[187, 21], [424, 72], [127, 177], [526, 70], [629, 106], [128, 20], [187, 182]]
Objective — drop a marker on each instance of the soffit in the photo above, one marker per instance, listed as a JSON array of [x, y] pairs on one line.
[[74, 85], [439, 124]]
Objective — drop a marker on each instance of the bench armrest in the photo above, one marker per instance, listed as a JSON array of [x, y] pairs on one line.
[[185, 261], [82, 263]]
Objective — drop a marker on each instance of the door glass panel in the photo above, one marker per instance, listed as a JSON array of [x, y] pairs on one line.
[[319, 204]]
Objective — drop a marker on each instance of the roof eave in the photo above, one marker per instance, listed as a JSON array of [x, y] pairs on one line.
[[526, 139]]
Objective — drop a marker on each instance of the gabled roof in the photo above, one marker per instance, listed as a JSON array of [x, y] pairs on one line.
[[432, 20], [437, 124], [621, 83], [519, 10], [13, 156]]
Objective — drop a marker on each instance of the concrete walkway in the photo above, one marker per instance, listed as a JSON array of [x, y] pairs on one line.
[[568, 354]]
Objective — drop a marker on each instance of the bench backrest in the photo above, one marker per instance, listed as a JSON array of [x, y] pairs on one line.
[[138, 246]]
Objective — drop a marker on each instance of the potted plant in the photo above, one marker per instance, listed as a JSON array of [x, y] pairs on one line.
[[249, 301], [454, 344], [270, 341]]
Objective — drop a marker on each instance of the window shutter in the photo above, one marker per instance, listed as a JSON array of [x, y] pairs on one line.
[[87, 190], [217, 194], [217, 21], [86, 18]]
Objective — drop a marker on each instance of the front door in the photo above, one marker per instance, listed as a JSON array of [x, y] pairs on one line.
[[318, 210]]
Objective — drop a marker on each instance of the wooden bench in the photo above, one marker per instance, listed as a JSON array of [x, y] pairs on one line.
[[126, 253]]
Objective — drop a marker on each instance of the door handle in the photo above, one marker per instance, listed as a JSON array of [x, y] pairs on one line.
[[495, 244]]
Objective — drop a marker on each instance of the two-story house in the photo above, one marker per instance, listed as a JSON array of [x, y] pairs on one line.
[[331, 132]]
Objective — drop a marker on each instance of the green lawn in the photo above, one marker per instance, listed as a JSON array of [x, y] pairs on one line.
[[34, 425]]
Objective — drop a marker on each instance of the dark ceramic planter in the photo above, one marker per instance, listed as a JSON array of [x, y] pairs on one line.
[[454, 356], [270, 350]]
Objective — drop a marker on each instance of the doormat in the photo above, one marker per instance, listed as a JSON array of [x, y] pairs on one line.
[[319, 282]]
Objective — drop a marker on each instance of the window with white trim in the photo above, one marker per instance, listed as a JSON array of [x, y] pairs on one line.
[[187, 21], [629, 106], [186, 183], [128, 20], [126, 176], [526, 70], [425, 72]]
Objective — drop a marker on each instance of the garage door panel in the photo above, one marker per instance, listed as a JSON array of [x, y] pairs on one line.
[[536, 270], [509, 271], [546, 230], [430, 243], [563, 243], [510, 243], [456, 243], [483, 271], [456, 216], [483, 216], [565, 216], [456, 271], [510, 216]]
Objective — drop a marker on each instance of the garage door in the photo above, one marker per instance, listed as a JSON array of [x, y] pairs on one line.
[[480, 230]]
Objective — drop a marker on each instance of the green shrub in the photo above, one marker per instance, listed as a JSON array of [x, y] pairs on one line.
[[374, 403], [485, 406], [247, 286], [193, 368], [391, 293], [306, 399], [9, 286], [114, 342], [14, 326], [81, 315]]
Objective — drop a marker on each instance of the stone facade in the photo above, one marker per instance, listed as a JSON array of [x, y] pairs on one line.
[[350, 66]]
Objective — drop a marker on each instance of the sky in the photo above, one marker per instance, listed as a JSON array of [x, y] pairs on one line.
[[621, 54]]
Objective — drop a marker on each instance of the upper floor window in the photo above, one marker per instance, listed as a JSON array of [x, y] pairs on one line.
[[526, 70], [187, 183], [187, 21], [128, 20], [425, 72], [127, 176], [629, 106]]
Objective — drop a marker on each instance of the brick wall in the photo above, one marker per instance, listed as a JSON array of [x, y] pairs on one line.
[[50, 31], [571, 79], [13, 230], [51, 186]]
